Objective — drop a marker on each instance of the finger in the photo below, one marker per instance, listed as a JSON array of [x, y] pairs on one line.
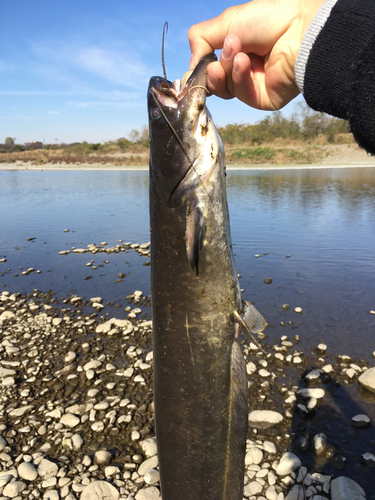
[[243, 85], [209, 35], [232, 46], [216, 81]]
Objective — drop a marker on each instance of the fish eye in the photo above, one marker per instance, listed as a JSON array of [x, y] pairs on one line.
[[155, 113]]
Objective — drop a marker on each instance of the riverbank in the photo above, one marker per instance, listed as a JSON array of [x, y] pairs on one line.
[[77, 416]]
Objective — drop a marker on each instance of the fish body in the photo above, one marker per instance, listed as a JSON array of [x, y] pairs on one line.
[[200, 381]]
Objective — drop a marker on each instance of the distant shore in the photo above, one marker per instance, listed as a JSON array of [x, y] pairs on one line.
[[260, 166]]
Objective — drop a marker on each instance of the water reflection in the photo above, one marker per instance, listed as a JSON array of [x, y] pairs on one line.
[[323, 219]]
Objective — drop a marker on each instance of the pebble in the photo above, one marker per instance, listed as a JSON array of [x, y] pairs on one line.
[[343, 488], [252, 488], [367, 380], [27, 471], [152, 476], [360, 421], [254, 456], [369, 460], [70, 420], [150, 493], [289, 462], [150, 463], [316, 393], [262, 419], [102, 457], [148, 446], [100, 490]]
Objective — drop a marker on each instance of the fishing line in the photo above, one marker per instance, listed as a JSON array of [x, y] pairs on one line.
[[165, 30]]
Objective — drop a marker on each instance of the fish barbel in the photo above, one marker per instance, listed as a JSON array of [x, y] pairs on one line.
[[200, 379]]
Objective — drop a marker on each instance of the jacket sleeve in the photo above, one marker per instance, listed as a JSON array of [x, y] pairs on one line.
[[335, 68]]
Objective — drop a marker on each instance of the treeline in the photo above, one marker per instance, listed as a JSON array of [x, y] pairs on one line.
[[306, 125]]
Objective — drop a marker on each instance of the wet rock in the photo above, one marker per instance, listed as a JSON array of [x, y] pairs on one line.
[[369, 460], [99, 490], [360, 421], [296, 493], [343, 488], [367, 380], [263, 419], [311, 393], [320, 443], [289, 462]]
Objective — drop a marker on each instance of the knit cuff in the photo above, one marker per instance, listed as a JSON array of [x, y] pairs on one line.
[[308, 41]]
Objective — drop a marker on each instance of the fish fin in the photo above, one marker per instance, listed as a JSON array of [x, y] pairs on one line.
[[253, 319], [195, 232], [237, 431]]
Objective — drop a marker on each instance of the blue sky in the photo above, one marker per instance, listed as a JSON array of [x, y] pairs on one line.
[[75, 71]]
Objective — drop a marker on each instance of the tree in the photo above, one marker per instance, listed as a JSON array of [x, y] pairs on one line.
[[9, 142]]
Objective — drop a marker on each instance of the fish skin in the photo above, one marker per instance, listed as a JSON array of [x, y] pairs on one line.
[[200, 381]]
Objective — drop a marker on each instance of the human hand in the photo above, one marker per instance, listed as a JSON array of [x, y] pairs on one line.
[[260, 42]]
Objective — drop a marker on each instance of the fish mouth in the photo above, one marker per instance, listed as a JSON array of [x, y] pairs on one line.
[[170, 94]]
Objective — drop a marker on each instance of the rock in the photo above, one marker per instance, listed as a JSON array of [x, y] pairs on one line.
[[367, 380], [47, 469], [151, 493], [152, 476], [51, 495], [269, 447], [254, 456], [100, 490], [7, 315], [70, 420], [3, 443], [369, 460], [5, 372], [102, 457], [92, 365], [21, 411], [77, 442], [5, 479], [13, 490], [360, 421], [320, 443], [252, 489], [343, 488], [148, 446], [263, 419], [289, 462], [71, 356], [150, 463], [311, 393], [27, 471]]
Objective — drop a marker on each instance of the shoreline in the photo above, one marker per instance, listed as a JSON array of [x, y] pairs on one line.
[[260, 166]]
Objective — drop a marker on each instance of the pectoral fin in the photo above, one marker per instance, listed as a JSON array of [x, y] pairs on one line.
[[251, 321], [195, 231]]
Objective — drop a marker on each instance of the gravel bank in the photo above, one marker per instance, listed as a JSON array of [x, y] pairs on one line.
[[76, 411]]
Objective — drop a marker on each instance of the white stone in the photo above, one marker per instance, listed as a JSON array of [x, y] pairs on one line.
[[27, 471], [100, 490], [47, 469], [271, 493], [314, 375], [298, 310], [77, 442], [70, 420], [152, 476], [148, 446], [6, 372], [92, 365], [52, 495], [327, 368], [252, 488], [360, 420], [3, 443], [343, 488], [320, 443], [269, 447], [254, 456], [150, 463], [264, 373], [102, 457], [367, 380], [263, 419], [150, 493], [5, 479], [311, 393], [21, 411], [13, 490], [251, 368], [71, 356], [289, 462]]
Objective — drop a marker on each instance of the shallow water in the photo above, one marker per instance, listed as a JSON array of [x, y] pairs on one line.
[[324, 219], [314, 232]]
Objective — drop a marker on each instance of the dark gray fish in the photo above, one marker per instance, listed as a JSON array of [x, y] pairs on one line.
[[200, 380]]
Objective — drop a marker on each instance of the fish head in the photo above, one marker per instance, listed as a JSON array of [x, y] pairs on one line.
[[182, 134]]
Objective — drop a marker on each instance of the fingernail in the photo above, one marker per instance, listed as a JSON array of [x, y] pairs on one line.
[[236, 66], [227, 50], [213, 80]]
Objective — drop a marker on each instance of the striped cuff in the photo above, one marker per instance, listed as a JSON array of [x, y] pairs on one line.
[[308, 41]]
